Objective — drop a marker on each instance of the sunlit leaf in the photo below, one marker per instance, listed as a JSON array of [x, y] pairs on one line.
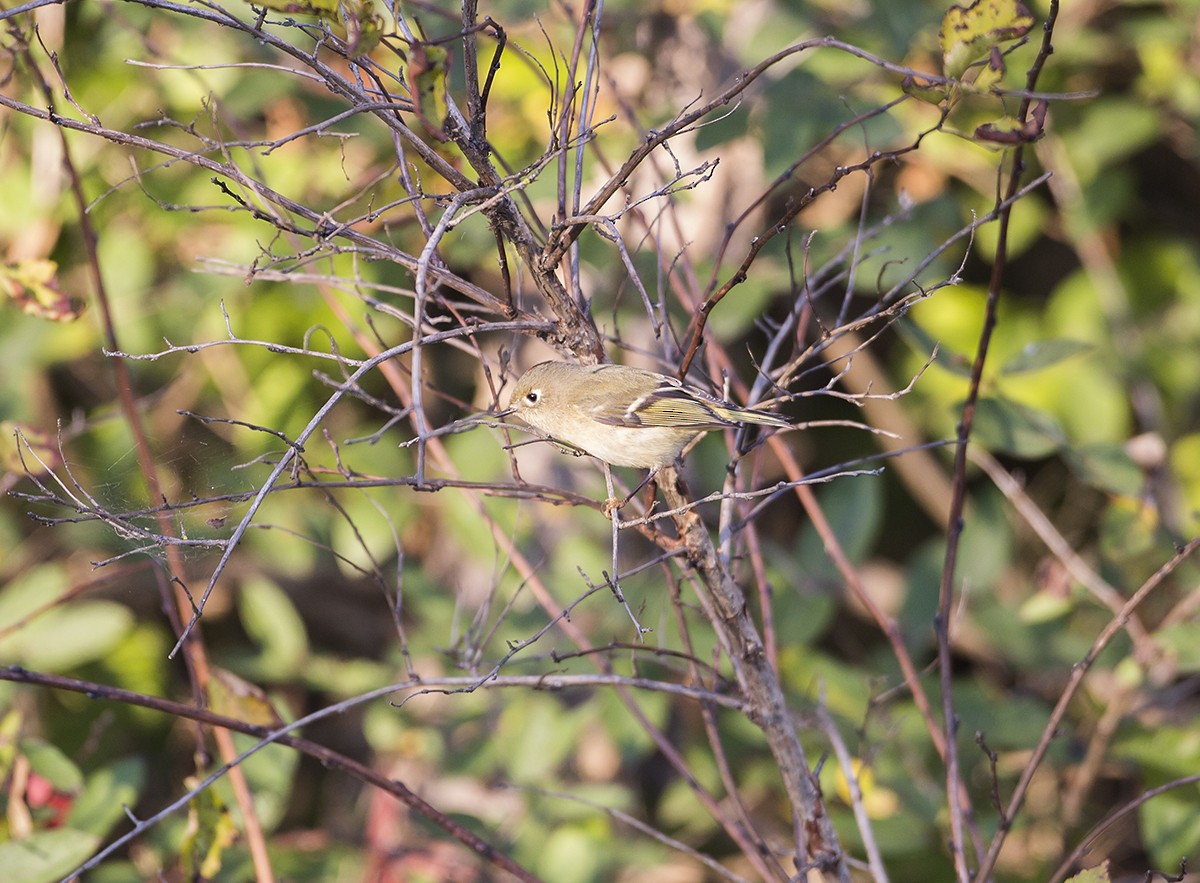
[[1045, 606], [1162, 750], [364, 26], [355, 21], [33, 286], [570, 855], [921, 341], [1042, 354], [236, 697], [323, 8], [539, 738], [63, 637], [879, 802], [923, 91], [1098, 874], [969, 33]]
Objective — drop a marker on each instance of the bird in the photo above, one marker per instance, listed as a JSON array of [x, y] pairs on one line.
[[622, 416]]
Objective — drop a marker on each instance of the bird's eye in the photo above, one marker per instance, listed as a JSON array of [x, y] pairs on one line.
[[532, 396]]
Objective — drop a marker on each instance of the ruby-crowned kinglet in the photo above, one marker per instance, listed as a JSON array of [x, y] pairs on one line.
[[623, 416]]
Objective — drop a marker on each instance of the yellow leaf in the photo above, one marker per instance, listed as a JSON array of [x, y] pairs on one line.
[[355, 21], [1098, 874], [210, 831], [320, 8], [235, 697], [33, 286], [969, 34], [26, 449], [879, 802]]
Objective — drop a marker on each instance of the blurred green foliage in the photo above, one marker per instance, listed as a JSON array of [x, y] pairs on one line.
[[1090, 395]]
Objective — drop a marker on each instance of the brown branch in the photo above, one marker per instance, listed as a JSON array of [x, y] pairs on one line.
[[326, 756], [1112, 818], [960, 809], [1078, 672], [1108, 595], [195, 654], [816, 841], [562, 237], [783, 222]]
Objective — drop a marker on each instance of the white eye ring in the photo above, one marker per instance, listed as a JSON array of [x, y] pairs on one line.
[[532, 396]]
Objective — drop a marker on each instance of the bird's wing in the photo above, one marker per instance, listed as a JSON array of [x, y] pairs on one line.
[[669, 405]]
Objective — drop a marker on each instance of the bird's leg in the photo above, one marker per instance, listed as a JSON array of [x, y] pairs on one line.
[[612, 503], [641, 484]]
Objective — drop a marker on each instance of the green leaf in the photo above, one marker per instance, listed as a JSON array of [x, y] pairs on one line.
[[922, 91], [269, 616], [427, 72], [570, 855], [238, 698], [58, 638], [1008, 427], [1170, 825], [1111, 132], [46, 855], [537, 737], [363, 26], [1107, 467], [271, 773], [1042, 354], [105, 792], [1045, 606], [1162, 751], [853, 507], [1182, 641], [321, 8], [921, 341], [81, 633], [1128, 529], [49, 762], [1007, 720]]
